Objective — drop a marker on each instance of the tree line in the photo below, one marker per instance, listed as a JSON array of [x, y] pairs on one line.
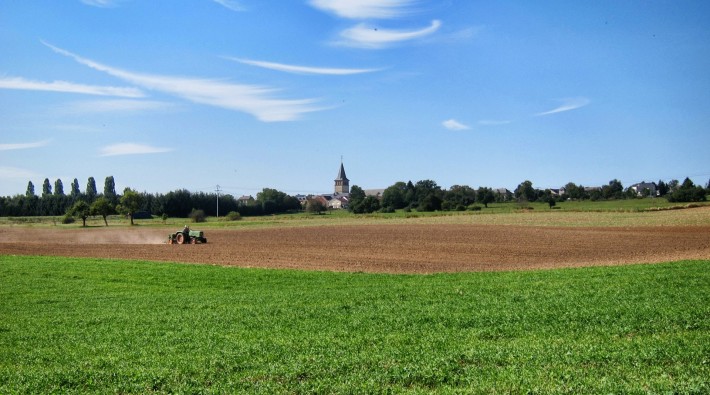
[[424, 195], [53, 201]]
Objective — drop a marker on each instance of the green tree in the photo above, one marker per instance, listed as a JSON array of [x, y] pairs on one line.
[[574, 191], [424, 188], [662, 188], [551, 201], [315, 206], [410, 195], [82, 210], [75, 192], [525, 192], [613, 191], [131, 202], [46, 188], [110, 190], [394, 196], [485, 195], [459, 195], [91, 189], [430, 202], [369, 204], [357, 195], [58, 187], [102, 207], [687, 192], [30, 189], [273, 201]]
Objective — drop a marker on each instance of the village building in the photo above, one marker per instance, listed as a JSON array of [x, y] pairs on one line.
[[644, 188], [342, 184]]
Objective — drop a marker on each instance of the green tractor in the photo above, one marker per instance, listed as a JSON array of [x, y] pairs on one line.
[[187, 236]]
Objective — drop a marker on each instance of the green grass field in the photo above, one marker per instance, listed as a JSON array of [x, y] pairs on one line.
[[107, 326]]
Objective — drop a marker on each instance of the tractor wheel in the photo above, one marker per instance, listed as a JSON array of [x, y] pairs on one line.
[[180, 238]]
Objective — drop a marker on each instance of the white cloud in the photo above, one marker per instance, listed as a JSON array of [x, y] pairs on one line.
[[252, 99], [301, 69], [131, 149], [68, 87], [109, 106], [453, 124], [101, 3], [365, 36], [567, 105], [231, 4], [36, 144], [364, 9], [7, 172]]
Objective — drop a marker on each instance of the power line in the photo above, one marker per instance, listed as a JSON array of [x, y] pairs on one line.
[[218, 190]]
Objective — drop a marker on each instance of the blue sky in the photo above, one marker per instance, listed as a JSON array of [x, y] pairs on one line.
[[248, 94]]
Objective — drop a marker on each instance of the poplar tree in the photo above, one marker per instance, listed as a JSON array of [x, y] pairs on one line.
[[46, 188], [91, 189], [75, 192], [58, 187]]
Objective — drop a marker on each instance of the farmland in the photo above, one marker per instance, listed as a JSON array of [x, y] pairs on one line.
[[408, 302], [395, 244]]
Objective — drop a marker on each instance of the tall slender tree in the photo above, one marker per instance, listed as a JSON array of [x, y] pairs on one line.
[[46, 188], [75, 192], [30, 189], [58, 187], [91, 189], [110, 190]]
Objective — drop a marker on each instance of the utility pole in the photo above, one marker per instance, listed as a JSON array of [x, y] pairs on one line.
[[218, 191]]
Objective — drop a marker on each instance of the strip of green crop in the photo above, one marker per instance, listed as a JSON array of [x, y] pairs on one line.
[[107, 326]]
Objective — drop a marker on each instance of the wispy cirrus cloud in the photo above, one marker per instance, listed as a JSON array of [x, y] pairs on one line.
[[364, 9], [231, 4], [131, 149], [101, 3], [568, 104], [453, 124], [366, 36], [111, 106], [68, 87], [252, 99], [16, 146], [301, 69]]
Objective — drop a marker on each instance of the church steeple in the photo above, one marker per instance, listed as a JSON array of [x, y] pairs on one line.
[[342, 184]]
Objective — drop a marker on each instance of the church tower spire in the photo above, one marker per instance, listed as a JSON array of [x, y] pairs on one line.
[[342, 184]]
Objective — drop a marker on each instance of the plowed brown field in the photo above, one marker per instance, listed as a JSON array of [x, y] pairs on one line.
[[378, 248]]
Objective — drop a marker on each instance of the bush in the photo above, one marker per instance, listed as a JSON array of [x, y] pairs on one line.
[[474, 208], [67, 219], [233, 216], [164, 217], [460, 207], [387, 210], [197, 215]]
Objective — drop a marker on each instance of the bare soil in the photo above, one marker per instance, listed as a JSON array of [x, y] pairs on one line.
[[378, 248]]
